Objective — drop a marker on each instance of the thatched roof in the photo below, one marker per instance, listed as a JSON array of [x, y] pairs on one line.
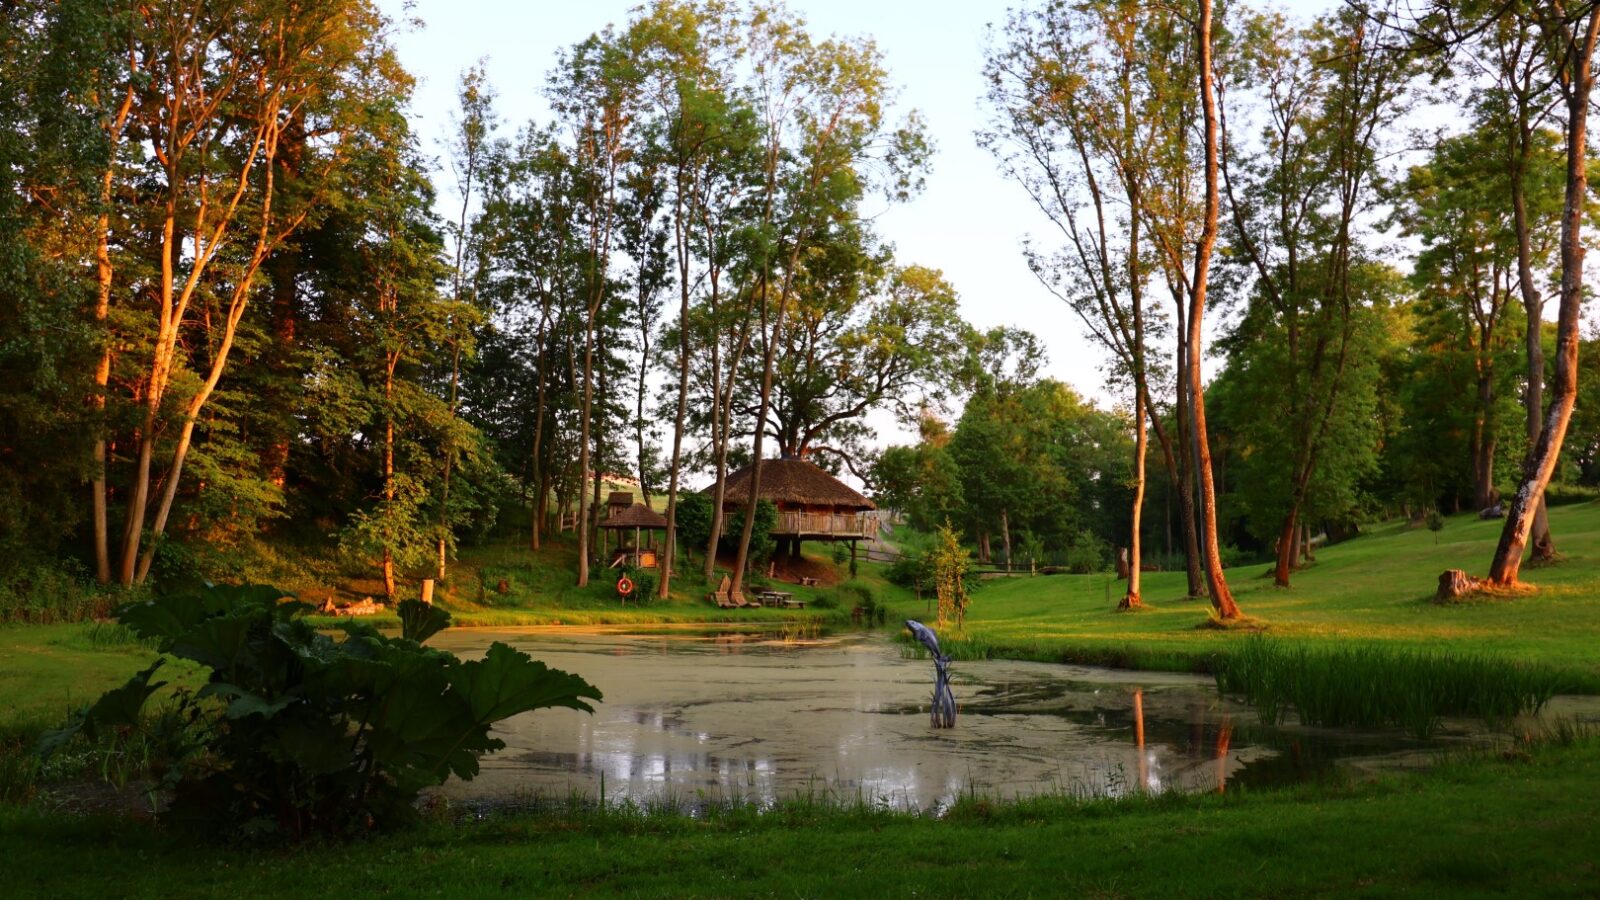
[[794, 481], [635, 516]]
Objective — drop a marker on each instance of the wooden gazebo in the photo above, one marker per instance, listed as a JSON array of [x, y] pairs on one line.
[[643, 521], [812, 505]]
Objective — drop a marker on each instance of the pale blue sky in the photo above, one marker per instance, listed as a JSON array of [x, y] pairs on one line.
[[969, 222]]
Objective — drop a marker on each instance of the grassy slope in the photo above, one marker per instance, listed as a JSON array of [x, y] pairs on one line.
[[1376, 588], [1525, 827]]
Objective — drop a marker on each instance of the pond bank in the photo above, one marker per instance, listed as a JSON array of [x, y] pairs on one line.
[[1522, 824]]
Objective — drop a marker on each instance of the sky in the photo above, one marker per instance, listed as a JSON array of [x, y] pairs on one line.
[[969, 222]]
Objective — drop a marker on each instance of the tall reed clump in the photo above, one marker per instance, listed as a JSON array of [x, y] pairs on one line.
[[1373, 686]]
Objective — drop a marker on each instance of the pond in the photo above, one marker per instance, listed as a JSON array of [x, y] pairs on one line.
[[690, 719]]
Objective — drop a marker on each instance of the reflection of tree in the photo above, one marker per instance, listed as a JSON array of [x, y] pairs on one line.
[[1224, 740], [1138, 739]]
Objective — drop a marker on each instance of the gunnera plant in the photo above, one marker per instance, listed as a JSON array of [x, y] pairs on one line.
[[296, 733]]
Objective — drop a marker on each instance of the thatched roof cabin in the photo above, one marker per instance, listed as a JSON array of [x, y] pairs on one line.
[[636, 516], [812, 505]]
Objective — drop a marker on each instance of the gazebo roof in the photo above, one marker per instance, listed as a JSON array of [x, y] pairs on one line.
[[795, 481], [635, 516]]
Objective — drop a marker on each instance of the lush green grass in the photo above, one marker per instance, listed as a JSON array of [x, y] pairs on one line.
[[1368, 686], [1520, 826], [1375, 589]]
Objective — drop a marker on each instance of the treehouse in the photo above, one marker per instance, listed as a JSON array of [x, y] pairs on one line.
[[624, 518], [812, 505]]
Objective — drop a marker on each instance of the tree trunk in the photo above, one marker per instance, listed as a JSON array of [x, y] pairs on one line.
[[583, 451], [450, 444], [1221, 597], [1131, 599], [1005, 536], [1544, 547], [283, 271], [1288, 548], [1483, 443], [104, 276], [539, 478], [1193, 560], [388, 469], [1179, 482], [102, 378], [1542, 458]]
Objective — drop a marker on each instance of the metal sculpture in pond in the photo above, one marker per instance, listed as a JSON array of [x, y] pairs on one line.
[[944, 702]]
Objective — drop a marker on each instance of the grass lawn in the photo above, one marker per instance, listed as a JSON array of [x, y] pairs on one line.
[[1524, 826], [1377, 588]]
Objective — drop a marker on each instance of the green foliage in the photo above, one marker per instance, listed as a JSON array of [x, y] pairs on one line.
[[693, 515], [950, 562], [1369, 686], [46, 591], [862, 596], [762, 542], [295, 733]]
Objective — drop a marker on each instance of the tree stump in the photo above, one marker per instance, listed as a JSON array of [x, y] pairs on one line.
[[1455, 584]]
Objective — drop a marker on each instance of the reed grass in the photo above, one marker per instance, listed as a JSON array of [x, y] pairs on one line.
[[1367, 686]]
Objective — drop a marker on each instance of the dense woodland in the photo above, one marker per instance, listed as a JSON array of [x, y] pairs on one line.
[[233, 315]]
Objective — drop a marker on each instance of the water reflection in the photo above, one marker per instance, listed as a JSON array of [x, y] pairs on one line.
[[707, 718]]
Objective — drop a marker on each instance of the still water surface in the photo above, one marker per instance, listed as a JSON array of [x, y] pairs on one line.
[[690, 719]]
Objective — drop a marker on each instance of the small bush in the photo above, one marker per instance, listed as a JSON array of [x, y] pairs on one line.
[[1088, 556], [866, 598], [911, 571]]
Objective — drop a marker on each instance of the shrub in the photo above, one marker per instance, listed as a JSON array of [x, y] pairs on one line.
[[295, 733], [48, 592], [1560, 494], [1087, 556], [863, 596], [911, 571], [693, 518]]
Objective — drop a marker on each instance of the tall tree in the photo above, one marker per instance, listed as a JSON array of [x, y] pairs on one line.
[[825, 138], [1567, 34], [1071, 93], [1330, 94], [1221, 596], [470, 146], [216, 91], [593, 95]]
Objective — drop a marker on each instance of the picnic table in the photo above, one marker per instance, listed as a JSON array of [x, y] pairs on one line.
[[780, 598]]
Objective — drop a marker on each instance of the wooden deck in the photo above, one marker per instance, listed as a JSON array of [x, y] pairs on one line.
[[814, 526]]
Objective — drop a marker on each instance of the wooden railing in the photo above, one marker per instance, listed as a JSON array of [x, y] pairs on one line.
[[840, 524]]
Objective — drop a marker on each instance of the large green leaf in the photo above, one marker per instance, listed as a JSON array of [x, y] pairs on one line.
[[507, 681], [429, 730], [168, 618], [318, 746], [222, 643], [118, 707], [420, 621], [242, 702]]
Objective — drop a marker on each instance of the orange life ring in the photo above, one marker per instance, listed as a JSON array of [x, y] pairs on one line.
[[624, 586]]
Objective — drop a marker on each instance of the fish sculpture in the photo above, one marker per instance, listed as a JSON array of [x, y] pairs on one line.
[[944, 702]]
